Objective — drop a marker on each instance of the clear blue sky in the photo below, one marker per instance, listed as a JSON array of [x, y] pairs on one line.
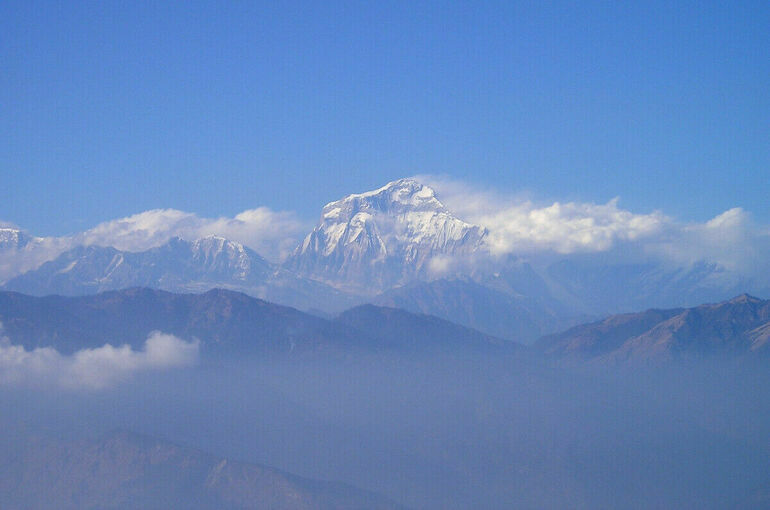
[[111, 108]]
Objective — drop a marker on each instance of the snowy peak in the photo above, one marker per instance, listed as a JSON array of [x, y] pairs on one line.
[[13, 238], [214, 248], [176, 265], [397, 197], [217, 254], [389, 236]]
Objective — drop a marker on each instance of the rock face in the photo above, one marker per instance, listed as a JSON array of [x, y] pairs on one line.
[[126, 470], [737, 327], [372, 241]]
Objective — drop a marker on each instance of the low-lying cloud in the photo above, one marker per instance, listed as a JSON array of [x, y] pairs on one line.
[[92, 369]]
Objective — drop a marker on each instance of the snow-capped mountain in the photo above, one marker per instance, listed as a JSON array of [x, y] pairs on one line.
[[180, 266], [396, 245], [372, 241], [181, 263]]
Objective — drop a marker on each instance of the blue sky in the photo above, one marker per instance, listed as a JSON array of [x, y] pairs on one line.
[[112, 108]]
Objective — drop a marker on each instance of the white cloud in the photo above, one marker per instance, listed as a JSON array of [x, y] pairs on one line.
[[270, 233], [440, 266], [92, 369], [566, 228], [141, 231], [519, 226], [731, 239]]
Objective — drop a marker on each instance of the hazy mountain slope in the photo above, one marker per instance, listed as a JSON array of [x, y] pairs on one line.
[[371, 241], [130, 471], [735, 327], [405, 330], [610, 287], [601, 337], [474, 305], [226, 322], [707, 329]]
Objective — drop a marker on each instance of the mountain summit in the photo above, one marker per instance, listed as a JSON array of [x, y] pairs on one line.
[[374, 240]]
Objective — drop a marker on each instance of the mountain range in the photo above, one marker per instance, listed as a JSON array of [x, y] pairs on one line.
[[233, 325], [397, 246], [228, 323], [408, 405]]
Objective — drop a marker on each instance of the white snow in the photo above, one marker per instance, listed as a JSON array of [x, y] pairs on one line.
[[403, 221]]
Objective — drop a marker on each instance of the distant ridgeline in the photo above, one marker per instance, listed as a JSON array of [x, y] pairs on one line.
[[232, 324], [397, 246]]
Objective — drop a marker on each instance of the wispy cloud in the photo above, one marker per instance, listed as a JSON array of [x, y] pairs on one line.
[[92, 369]]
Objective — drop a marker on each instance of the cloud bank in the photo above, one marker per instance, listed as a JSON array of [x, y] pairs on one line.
[[92, 369], [566, 228], [519, 226]]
